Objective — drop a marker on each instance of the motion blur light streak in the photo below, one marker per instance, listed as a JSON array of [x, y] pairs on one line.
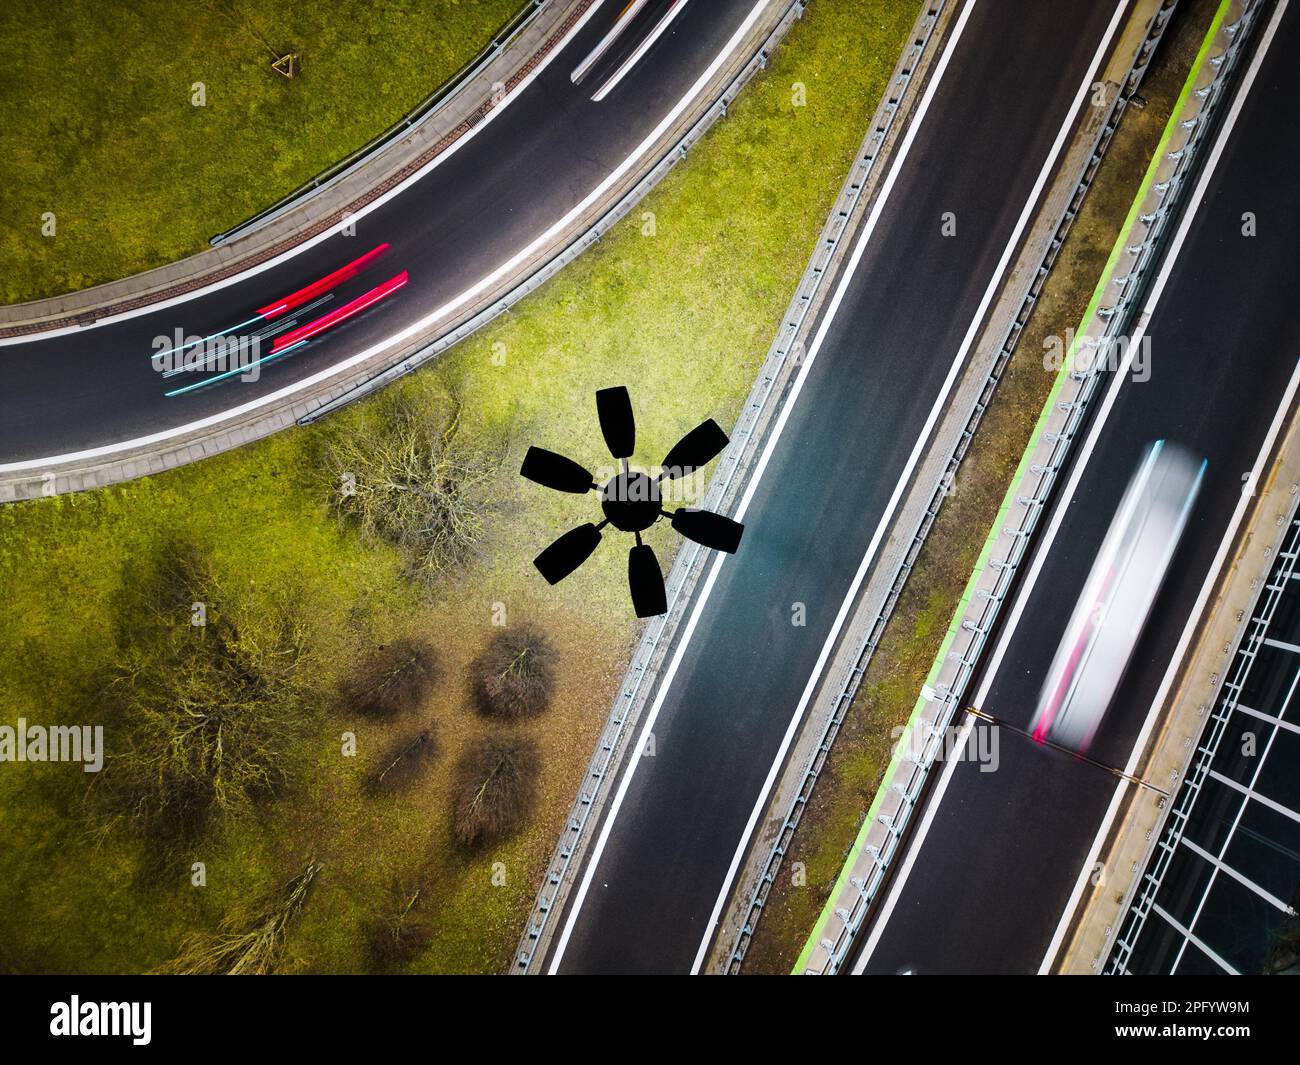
[[641, 50], [329, 281], [624, 17], [237, 370], [305, 295], [340, 314], [1121, 587]]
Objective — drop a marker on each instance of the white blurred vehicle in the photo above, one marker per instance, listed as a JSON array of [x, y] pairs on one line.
[[1117, 597]]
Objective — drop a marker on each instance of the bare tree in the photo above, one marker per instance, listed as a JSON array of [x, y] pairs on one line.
[[496, 788], [397, 936], [514, 676], [247, 944], [205, 712], [401, 473], [396, 678]]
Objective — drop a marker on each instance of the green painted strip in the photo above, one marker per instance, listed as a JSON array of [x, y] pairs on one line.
[[1013, 490]]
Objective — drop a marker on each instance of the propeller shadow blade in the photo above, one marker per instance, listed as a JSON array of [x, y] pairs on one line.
[[697, 448], [556, 471], [711, 530], [567, 553], [617, 425], [646, 579]]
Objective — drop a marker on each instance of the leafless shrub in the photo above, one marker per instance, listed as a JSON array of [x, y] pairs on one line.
[[513, 677], [401, 473], [496, 787], [395, 679], [396, 937], [247, 944], [205, 714], [405, 762]]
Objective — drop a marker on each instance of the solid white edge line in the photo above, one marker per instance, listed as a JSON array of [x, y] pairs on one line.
[[351, 219], [1081, 462], [1180, 652], [626, 66], [1062, 507], [751, 488], [909, 858], [954, 371], [620, 24], [419, 326]]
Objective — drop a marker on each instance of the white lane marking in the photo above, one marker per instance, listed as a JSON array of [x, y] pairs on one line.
[[417, 327], [878, 928], [1040, 555], [620, 24], [360, 213], [1180, 651], [954, 371], [752, 487], [626, 66]]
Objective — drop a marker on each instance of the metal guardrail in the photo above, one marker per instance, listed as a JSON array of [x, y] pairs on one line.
[[868, 647], [979, 619], [422, 111], [1284, 567], [592, 236], [746, 437]]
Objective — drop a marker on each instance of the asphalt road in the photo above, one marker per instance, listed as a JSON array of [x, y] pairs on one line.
[[996, 868], [977, 153], [520, 173]]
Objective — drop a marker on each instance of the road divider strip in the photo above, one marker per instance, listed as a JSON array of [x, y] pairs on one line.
[[1006, 545]]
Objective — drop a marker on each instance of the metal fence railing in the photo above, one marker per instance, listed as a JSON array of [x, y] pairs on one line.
[[1284, 568], [1113, 316], [688, 565], [422, 111]]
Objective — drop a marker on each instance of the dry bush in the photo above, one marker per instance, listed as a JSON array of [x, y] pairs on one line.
[[399, 471], [514, 676], [496, 788], [395, 679], [205, 715], [396, 937], [247, 944], [405, 762]]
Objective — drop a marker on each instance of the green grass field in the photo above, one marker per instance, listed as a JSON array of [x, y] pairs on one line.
[[684, 316], [97, 123]]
